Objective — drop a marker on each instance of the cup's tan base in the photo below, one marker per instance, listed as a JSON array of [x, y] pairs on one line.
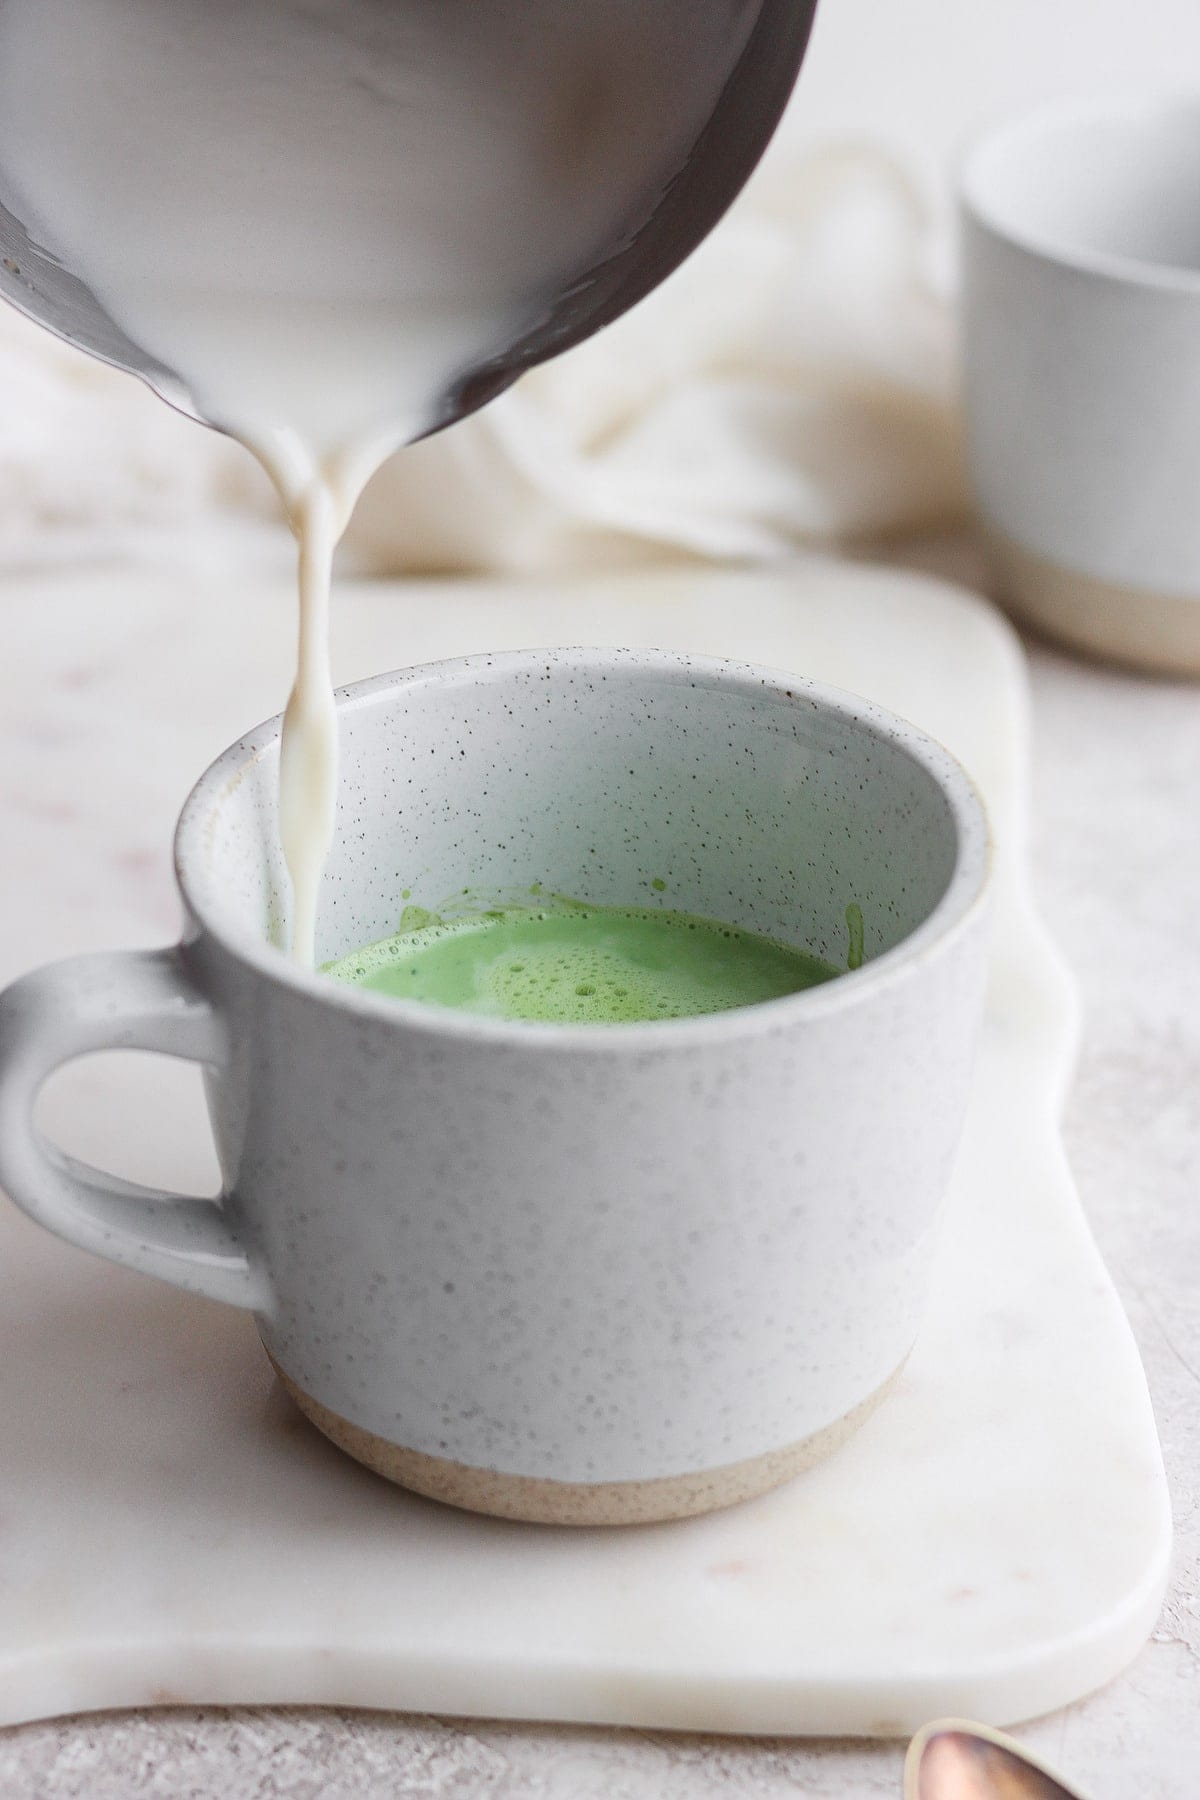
[[1158, 633], [540, 1502]]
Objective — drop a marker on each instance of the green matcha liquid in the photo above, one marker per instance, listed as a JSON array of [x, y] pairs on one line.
[[578, 964]]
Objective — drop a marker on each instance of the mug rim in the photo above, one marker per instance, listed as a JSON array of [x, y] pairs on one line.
[[965, 895], [1140, 274]]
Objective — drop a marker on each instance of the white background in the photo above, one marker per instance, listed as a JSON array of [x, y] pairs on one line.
[[925, 74]]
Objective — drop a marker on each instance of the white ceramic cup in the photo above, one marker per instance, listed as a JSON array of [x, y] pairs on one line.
[[583, 1274], [1081, 268]]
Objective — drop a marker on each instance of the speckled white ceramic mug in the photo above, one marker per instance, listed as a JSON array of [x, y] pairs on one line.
[[581, 1274]]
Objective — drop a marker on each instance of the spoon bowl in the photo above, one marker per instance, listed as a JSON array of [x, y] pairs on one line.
[[954, 1760]]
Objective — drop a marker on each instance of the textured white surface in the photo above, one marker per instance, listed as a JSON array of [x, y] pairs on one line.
[[196, 1408]]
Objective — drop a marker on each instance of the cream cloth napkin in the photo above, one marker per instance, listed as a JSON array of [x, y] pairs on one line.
[[793, 383]]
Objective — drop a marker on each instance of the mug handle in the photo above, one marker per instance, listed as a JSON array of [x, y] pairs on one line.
[[123, 1000]]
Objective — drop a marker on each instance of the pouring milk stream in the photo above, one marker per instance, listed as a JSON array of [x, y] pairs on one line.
[[320, 213]]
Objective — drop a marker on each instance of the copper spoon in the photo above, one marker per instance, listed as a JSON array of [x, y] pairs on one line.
[[954, 1760]]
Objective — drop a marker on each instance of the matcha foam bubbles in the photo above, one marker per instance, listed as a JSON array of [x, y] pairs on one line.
[[576, 964]]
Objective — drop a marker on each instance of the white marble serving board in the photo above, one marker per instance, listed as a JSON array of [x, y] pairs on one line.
[[993, 1543]]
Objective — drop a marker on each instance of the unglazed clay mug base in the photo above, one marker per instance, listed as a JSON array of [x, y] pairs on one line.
[[595, 1274], [1081, 280]]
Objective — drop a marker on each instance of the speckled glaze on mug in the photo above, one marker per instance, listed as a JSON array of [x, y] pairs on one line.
[[586, 1274]]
